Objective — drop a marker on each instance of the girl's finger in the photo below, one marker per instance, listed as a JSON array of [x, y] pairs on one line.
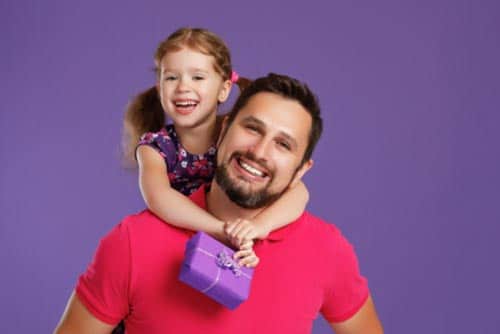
[[244, 232], [249, 261], [247, 244], [242, 253], [237, 228], [229, 227]]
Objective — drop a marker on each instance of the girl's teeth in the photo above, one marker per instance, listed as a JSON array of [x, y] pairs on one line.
[[188, 104]]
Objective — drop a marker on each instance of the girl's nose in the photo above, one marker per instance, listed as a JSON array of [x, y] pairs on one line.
[[183, 85]]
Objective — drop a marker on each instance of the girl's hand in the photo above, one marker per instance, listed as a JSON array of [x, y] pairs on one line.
[[247, 256], [241, 231]]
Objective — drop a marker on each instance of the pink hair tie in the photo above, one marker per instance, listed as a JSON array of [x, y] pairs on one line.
[[234, 77]]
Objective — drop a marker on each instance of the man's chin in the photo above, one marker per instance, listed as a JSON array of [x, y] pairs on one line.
[[247, 187], [250, 200], [242, 192]]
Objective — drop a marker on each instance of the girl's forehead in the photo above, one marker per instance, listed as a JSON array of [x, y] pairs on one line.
[[187, 57]]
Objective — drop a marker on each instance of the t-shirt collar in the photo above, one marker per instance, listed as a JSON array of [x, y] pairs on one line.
[[199, 198]]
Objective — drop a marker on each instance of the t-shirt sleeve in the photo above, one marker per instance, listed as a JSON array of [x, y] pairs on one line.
[[104, 287], [347, 290]]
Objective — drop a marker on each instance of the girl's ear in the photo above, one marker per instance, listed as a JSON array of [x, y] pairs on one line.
[[224, 91]]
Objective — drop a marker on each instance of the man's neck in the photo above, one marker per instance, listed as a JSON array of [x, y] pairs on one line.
[[219, 205]]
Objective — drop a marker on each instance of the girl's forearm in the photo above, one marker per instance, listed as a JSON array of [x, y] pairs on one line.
[[178, 210], [288, 208]]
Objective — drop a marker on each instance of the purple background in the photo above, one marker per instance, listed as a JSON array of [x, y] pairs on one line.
[[408, 166]]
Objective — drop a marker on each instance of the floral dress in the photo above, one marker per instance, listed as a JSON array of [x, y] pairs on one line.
[[186, 171]]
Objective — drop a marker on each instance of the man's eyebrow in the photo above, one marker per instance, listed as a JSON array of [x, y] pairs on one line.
[[286, 136], [290, 139], [254, 120]]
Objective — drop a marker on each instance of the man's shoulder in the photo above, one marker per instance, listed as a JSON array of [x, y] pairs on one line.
[[145, 222], [145, 233], [323, 233], [318, 225], [144, 216]]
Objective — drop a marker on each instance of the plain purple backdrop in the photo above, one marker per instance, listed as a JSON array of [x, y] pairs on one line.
[[408, 166]]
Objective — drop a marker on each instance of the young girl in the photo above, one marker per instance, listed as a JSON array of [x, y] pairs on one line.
[[194, 75]]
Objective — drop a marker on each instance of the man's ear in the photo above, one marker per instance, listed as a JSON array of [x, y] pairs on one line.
[[301, 172], [224, 91]]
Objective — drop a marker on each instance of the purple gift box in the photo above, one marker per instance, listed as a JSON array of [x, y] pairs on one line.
[[209, 268]]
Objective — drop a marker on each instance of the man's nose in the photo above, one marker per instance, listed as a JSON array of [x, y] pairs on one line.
[[260, 149]]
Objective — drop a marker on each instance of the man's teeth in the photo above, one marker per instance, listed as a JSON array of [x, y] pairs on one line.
[[251, 170]]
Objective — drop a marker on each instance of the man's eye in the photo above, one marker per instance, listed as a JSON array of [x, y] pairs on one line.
[[284, 145], [170, 78], [252, 128]]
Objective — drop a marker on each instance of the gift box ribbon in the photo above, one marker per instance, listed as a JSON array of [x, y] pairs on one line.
[[223, 261]]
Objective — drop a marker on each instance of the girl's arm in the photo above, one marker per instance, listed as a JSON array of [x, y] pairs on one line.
[[175, 208], [285, 210], [166, 202]]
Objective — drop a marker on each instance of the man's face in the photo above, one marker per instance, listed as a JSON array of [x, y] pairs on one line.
[[259, 155]]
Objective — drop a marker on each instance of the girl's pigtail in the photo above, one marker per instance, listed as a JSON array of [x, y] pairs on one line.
[[243, 83], [143, 114]]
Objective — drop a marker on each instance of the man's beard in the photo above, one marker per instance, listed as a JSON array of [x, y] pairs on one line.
[[238, 194]]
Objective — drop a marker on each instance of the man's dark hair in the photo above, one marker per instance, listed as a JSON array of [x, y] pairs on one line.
[[289, 88]]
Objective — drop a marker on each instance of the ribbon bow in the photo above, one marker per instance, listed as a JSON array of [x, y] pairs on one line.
[[225, 261]]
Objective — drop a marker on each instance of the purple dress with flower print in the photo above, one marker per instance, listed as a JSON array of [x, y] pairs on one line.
[[186, 171]]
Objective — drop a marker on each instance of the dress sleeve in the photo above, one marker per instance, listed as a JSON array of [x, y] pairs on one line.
[[163, 144], [104, 287], [347, 290]]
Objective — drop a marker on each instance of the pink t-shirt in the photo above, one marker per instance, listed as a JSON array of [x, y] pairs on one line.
[[306, 268]]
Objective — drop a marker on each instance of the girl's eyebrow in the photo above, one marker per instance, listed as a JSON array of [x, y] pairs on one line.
[[195, 69], [191, 70]]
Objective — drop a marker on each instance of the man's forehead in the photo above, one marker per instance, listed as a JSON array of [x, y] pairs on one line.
[[274, 110]]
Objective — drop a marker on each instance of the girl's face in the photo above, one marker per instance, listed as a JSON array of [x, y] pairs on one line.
[[190, 88]]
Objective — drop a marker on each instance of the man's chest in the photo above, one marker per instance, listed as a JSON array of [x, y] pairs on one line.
[[285, 291]]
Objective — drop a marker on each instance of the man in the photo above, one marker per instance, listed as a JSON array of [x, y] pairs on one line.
[[305, 267]]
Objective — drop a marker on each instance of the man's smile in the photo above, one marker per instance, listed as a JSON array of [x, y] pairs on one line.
[[249, 169]]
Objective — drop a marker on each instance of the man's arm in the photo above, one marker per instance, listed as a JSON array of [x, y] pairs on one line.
[[76, 319], [364, 321]]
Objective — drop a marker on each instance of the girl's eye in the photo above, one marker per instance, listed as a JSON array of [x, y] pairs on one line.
[[170, 78], [198, 77]]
